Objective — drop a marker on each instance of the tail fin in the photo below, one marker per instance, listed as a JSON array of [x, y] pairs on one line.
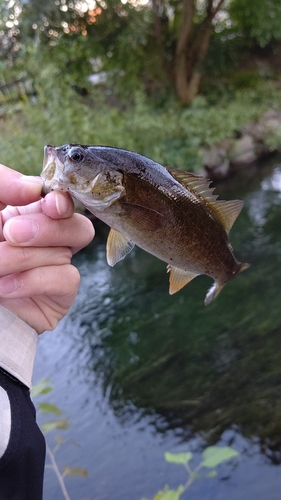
[[216, 288], [243, 266], [213, 292]]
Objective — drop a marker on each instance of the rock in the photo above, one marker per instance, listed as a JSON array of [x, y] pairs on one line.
[[255, 130], [243, 151], [248, 145], [216, 161], [220, 171]]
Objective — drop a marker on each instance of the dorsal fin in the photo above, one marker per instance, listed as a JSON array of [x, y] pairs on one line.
[[226, 211], [197, 184]]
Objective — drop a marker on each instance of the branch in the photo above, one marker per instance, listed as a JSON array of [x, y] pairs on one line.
[[57, 472], [218, 7], [186, 27], [201, 42], [157, 21]]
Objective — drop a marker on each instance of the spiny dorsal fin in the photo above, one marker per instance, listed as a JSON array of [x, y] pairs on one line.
[[195, 183], [179, 278], [117, 247], [227, 211]]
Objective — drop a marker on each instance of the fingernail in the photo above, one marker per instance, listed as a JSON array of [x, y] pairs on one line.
[[32, 179], [63, 203], [8, 285], [20, 230]]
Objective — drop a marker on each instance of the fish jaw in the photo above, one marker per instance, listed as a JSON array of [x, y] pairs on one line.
[[97, 191], [52, 173]]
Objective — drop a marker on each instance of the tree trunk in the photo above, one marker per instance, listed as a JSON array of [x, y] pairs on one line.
[[190, 57], [189, 68]]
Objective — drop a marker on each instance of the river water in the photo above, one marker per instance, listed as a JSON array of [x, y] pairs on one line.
[[137, 372]]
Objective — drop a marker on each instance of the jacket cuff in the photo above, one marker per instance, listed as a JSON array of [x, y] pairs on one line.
[[18, 344]]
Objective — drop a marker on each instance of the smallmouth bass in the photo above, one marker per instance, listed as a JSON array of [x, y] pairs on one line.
[[170, 213]]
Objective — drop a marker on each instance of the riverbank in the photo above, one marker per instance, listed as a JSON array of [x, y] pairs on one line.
[[172, 135], [249, 144]]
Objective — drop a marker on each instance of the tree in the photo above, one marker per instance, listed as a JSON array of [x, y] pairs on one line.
[[128, 35], [259, 20], [192, 42], [154, 43]]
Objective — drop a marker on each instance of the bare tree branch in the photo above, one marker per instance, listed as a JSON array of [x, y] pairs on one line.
[[157, 20], [188, 71], [218, 7], [186, 27]]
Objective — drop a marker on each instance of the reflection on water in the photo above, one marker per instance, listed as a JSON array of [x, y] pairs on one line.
[[170, 372]]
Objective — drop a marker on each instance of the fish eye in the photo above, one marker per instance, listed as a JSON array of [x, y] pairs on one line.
[[76, 155]]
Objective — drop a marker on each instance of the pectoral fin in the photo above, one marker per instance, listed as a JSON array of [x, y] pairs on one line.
[[117, 247], [143, 218], [179, 278]]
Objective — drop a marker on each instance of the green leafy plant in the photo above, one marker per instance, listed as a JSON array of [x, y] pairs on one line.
[[211, 458], [42, 389], [173, 135]]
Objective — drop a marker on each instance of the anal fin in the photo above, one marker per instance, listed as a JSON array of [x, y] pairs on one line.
[[117, 247], [179, 278]]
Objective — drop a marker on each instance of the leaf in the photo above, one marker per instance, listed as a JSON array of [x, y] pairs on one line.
[[178, 458], [42, 387], [215, 455], [77, 471], [54, 424], [49, 408], [59, 440], [168, 494], [213, 473]]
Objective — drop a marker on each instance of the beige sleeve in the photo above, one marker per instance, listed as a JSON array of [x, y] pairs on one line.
[[18, 343]]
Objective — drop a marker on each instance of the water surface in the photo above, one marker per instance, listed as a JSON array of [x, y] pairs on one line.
[[138, 372]]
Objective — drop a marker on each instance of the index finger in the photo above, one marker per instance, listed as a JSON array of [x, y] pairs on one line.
[[18, 189]]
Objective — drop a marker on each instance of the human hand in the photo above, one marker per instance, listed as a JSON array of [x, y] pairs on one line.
[[37, 240]]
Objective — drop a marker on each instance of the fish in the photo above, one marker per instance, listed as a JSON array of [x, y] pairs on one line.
[[170, 213]]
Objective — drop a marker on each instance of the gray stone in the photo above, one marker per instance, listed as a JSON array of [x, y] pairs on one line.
[[243, 151]]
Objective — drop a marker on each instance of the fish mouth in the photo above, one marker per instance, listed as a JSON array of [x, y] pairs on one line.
[[52, 171]]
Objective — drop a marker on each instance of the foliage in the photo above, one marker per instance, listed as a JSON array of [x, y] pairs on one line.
[[212, 456], [157, 46], [173, 135], [178, 458], [259, 20], [42, 387]]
